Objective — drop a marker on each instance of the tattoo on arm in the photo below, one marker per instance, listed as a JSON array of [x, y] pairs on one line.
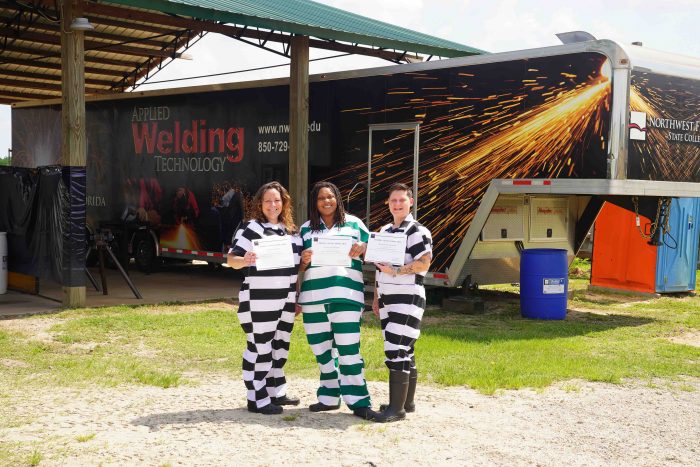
[[419, 265]]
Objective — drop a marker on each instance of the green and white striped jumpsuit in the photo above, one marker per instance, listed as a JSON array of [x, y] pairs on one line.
[[332, 299]]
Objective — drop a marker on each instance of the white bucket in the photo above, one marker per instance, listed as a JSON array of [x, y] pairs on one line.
[[3, 262]]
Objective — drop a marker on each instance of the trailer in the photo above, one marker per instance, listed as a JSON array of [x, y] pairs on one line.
[[505, 151]]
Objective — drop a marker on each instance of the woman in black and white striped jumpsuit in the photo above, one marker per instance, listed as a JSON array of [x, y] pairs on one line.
[[399, 302], [267, 299]]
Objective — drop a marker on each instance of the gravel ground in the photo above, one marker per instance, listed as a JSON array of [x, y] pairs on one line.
[[572, 423]]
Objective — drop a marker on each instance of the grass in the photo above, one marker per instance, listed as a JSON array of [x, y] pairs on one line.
[[84, 438], [614, 337], [35, 458]]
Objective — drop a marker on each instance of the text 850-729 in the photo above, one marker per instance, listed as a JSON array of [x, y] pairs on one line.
[[273, 146]]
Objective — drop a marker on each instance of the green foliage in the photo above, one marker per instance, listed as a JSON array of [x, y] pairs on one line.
[[35, 458], [84, 438]]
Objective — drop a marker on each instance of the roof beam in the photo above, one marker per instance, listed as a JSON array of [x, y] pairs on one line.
[[360, 50], [57, 66], [57, 54], [49, 77], [147, 68], [108, 21], [95, 46], [49, 87], [27, 96], [110, 37]]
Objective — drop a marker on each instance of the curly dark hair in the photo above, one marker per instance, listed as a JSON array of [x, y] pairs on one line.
[[285, 216], [314, 216]]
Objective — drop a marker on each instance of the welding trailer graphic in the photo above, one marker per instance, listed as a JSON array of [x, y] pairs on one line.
[[505, 151]]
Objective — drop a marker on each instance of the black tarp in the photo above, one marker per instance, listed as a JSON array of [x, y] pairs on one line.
[[33, 209]]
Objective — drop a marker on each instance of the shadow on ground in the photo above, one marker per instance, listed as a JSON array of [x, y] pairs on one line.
[[295, 416]]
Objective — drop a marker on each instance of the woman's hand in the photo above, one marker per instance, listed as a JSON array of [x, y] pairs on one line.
[[358, 249], [249, 258], [375, 305], [306, 257], [297, 309]]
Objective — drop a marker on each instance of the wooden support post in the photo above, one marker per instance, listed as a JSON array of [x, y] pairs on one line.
[[73, 153], [298, 127]]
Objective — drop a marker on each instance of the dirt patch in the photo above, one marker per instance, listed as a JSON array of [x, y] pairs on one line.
[[687, 338], [7, 362], [33, 328]]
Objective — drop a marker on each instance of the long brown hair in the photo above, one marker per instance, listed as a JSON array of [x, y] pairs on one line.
[[285, 216], [314, 216]]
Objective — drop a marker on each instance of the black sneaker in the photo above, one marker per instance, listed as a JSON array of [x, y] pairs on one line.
[[285, 400], [321, 407], [365, 413], [269, 409]]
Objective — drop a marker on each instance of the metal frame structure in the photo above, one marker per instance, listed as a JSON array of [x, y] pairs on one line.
[[409, 126], [457, 272]]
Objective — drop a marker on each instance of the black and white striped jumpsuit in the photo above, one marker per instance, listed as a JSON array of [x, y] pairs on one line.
[[266, 313], [402, 298]]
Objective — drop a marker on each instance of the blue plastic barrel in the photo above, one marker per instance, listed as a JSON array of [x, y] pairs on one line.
[[544, 282]]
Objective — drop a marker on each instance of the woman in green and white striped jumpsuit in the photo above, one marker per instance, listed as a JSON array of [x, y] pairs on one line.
[[332, 301]]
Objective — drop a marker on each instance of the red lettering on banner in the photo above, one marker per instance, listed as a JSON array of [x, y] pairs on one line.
[[234, 143], [189, 139], [144, 135], [177, 137], [192, 138], [165, 142]]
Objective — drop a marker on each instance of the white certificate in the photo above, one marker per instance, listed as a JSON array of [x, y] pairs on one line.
[[386, 248], [273, 252], [331, 250]]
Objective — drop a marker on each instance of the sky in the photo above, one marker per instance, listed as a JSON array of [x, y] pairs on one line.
[[494, 26]]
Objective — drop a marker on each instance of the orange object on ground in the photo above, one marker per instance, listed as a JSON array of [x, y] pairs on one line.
[[622, 259]]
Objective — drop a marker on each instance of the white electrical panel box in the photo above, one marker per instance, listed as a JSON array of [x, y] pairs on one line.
[[549, 219], [505, 222]]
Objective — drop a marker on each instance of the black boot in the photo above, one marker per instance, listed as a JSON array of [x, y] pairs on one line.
[[410, 405], [398, 387]]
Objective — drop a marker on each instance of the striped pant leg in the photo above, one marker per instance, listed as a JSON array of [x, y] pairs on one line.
[[276, 381], [345, 326], [320, 338], [260, 324], [400, 311]]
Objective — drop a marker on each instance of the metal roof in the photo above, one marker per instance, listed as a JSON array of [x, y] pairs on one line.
[[134, 39], [311, 19]]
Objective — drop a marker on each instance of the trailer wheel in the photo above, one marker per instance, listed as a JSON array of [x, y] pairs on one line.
[[145, 254]]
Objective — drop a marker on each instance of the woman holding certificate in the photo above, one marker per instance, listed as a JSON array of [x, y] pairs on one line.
[[399, 301], [332, 300], [267, 247]]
